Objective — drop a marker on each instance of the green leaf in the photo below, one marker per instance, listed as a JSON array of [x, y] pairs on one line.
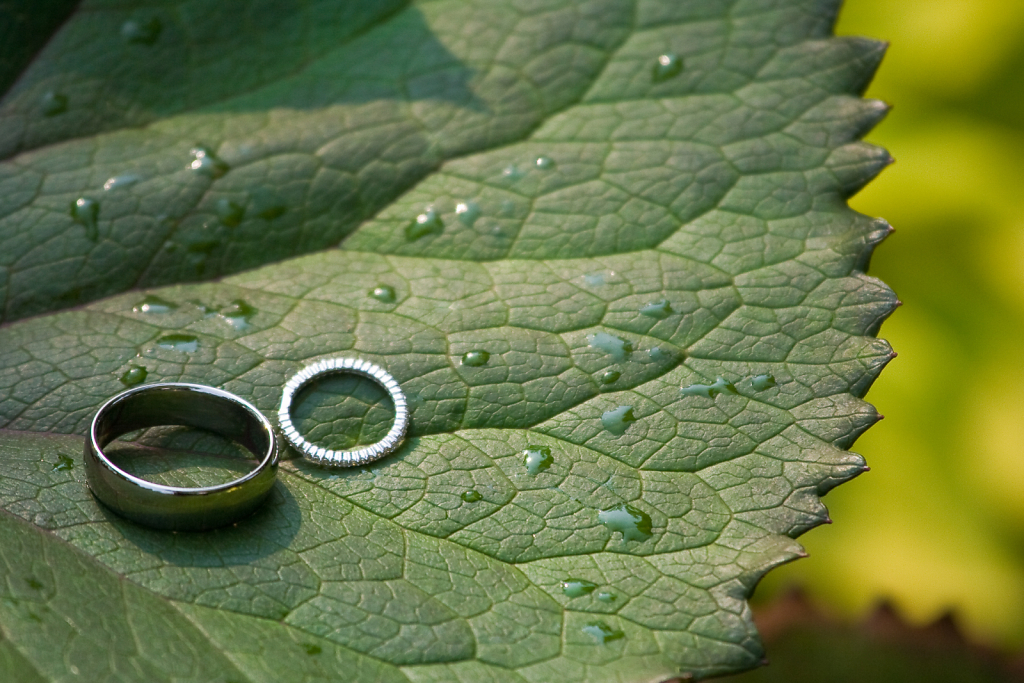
[[625, 297]]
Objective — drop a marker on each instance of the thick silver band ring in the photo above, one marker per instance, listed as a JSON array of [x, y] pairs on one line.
[[361, 456], [172, 507]]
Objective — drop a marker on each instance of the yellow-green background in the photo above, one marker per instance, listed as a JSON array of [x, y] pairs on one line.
[[938, 523]]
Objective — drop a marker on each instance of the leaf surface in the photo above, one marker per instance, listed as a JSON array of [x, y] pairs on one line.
[[603, 246]]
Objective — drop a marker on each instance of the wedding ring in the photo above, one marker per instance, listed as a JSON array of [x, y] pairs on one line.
[[361, 456], [172, 507]]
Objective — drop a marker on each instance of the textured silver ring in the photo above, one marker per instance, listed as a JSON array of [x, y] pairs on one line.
[[360, 456]]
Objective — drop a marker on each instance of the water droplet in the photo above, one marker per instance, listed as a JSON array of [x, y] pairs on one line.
[[427, 223], [134, 375], [537, 459], [86, 212], [54, 103], [64, 464], [720, 386], [384, 294], [658, 309], [602, 632], [121, 181], [471, 496], [178, 342], [207, 163], [762, 382], [610, 376], [154, 304], [633, 524], [512, 172], [142, 32], [577, 588], [206, 311], [467, 212], [544, 163], [475, 358], [659, 354], [238, 314], [667, 66], [617, 348], [312, 649], [230, 213], [605, 596], [617, 421], [33, 583], [267, 204], [594, 279]]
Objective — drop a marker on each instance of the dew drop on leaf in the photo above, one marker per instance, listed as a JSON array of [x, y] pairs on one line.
[[617, 421], [577, 588], [720, 386], [605, 596], [204, 310], [384, 294], [475, 358], [238, 314], [86, 212], [536, 459], [467, 212], [633, 524], [205, 162], [178, 342], [658, 309], [762, 382], [154, 304], [121, 181], [471, 496], [427, 223], [610, 376], [64, 464], [512, 172], [602, 632], [142, 32], [594, 279], [229, 213], [657, 353], [617, 348], [665, 67], [134, 375], [544, 163], [54, 103]]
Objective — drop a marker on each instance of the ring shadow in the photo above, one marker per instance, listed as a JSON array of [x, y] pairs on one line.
[[192, 458], [267, 531]]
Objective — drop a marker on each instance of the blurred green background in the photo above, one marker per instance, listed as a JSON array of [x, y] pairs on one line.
[[938, 524]]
